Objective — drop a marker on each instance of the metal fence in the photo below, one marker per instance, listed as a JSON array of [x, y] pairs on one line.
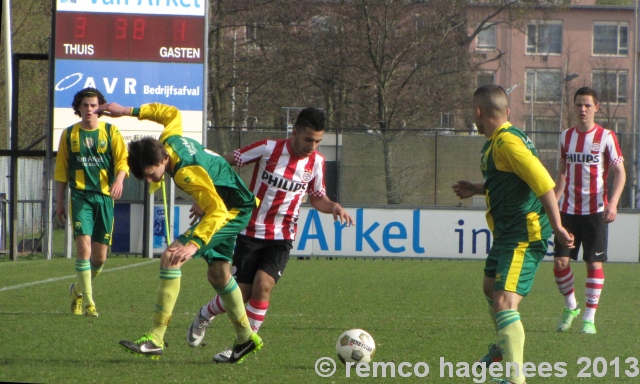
[[408, 167]]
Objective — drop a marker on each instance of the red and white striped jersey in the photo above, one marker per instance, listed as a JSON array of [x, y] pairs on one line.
[[280, 179], [587, 156]]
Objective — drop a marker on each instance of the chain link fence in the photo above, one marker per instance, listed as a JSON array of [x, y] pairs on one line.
[[407, 167]]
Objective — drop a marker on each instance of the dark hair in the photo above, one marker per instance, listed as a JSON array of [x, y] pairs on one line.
[[491, 98], [145, 153], [310, 118], [87, 92], [586, 91]]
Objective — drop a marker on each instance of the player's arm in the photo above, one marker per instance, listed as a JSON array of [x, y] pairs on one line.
[[325, 205], [561, 180], [230, 158], [214, 211], [619, 179], [514, 156], [121, 167], [167, 115], [247, 154], [465, 189], [550, 204], [61, 176], [207, 199]]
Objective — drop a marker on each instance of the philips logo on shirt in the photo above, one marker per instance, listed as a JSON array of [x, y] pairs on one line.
[[583, 158], [282, 183]]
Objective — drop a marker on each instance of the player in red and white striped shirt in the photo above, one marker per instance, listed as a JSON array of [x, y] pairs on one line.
[[285, 170], [587, 153]]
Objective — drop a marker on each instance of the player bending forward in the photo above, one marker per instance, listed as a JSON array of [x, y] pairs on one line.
[[227, 206], [284, 171]]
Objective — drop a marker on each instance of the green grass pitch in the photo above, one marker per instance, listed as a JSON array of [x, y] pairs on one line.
[[418, 311]]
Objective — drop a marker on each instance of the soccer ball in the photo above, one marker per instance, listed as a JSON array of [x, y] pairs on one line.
[[355, 345]]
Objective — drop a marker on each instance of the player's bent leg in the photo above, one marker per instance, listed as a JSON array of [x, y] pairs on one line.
[[219, 274]]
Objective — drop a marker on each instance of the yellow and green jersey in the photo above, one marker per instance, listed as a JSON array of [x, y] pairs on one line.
[[514, 177], [89, 160], [203, 174]]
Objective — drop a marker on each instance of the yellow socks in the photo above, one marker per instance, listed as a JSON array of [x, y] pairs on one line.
[[95, 271], [82, 284], [165, 301], [511, 342], [233, 304], [83, 273]]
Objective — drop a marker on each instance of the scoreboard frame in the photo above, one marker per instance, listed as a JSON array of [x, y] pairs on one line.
[[134, 52]]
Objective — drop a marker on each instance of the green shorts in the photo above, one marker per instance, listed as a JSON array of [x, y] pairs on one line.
[[220, 247], [92, 214], [514, 265]]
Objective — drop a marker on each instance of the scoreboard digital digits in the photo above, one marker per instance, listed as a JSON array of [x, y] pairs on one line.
[[137, 37]]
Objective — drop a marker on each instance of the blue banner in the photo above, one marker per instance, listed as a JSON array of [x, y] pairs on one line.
[[132, 83]]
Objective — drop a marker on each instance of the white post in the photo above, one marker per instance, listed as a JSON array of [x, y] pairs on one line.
[[8, 53], [635, 200]]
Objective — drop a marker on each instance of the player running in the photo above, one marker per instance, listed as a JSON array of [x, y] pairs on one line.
[[285, 170]]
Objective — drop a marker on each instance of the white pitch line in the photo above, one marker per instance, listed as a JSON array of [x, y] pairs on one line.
[[72, 276]]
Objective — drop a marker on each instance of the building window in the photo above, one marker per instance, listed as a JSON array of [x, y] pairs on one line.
[[486, 39], [446, 120], [485, 77], [255, 33], [611, 86], [616, 125], [611, 39], [544, 38], [543, 85]]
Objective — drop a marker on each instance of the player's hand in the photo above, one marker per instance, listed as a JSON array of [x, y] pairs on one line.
[[565, 238], [195, 213], [114, 110], [339, 214], [465, 189], [116, 190], [178, 253], [609, 214], [61, 214]]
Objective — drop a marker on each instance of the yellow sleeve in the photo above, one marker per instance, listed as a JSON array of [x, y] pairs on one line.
[[195, 181], [119, 151], [512, 155], [61, 173], [167, 115]]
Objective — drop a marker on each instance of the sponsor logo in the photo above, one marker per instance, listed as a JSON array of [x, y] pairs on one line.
[[583, 158], [237, 355], [88, 142], [283, 183]]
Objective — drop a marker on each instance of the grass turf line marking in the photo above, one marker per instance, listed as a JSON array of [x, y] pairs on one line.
[[72, 276]]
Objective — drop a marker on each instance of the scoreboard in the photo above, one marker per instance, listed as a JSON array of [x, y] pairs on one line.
[[135, 52]]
